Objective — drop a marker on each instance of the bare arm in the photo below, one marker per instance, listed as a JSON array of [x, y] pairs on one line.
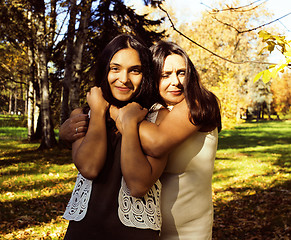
[[158, 140], [89, 152], [139, 171]]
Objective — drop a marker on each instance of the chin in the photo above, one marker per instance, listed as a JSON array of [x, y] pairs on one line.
[[123, 98], [174, 101]]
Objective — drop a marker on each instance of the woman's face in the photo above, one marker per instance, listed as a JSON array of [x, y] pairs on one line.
[[125, 74], [171, 82]]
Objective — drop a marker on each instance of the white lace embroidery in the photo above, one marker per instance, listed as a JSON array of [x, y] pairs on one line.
[[78, 204], [140, 212]]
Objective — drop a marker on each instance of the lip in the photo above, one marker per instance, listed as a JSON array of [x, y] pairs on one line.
[[176, 92], [122, 89]]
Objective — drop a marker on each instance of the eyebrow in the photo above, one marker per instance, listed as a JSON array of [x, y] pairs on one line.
[[179, 69], [134, 66]]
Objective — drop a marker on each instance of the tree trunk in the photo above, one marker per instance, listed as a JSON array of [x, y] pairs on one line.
[[15, 103], [78, 52], [25, 103], [30, 110], [65, 111], [71, 83], [48, 136], [10, 102]]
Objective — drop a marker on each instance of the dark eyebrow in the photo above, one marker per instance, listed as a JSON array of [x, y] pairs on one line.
[[135, 66], [168, 70], [114, 64], [117, 64]]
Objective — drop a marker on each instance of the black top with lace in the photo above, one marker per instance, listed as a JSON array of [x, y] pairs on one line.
[[101, 220]]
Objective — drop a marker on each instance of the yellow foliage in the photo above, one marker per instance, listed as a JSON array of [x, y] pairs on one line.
[[281, 89], [285, 48]]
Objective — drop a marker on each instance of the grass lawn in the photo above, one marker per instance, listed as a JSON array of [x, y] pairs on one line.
[[251, 184]]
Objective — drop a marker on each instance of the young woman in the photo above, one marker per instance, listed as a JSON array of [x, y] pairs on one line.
[[189, 133], [123, 76]]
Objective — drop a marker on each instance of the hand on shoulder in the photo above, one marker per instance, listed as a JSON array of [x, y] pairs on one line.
[[129, 115], [74, 127]]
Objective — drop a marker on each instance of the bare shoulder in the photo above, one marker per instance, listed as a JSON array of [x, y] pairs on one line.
[[181, 108], [177, 124], [179, 116], [163, 112]]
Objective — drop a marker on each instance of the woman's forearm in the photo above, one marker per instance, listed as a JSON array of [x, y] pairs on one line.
[[158, 140], [139, 171], [89, 154], [152, 140]]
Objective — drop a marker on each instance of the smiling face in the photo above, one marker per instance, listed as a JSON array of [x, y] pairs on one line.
[[125, 75], [172, 79]]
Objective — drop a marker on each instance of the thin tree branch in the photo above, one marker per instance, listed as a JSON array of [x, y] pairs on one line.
[[204, 48], [61, 27], [252, 29], [237, 8]]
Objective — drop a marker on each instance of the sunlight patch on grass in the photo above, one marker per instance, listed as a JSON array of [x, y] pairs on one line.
[[52, 230], [42, 183]]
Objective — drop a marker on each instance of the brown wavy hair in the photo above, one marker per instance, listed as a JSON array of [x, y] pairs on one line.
[[203, 104]]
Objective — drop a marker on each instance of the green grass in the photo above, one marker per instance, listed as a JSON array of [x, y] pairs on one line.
[[34, 187], [251, 184]]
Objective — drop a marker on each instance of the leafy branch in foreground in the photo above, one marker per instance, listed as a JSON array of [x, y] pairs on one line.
[[284, 46]]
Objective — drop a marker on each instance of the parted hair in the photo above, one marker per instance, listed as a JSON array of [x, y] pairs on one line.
[[147, 92], [204, 109]]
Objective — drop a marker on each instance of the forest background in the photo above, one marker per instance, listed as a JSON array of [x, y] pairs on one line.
[[47, 61], [49, 50]]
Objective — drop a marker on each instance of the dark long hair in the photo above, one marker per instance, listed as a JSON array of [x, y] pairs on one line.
[[147, 93], [203, 104]]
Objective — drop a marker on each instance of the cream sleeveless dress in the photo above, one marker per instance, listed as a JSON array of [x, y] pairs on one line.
[[186, 198]]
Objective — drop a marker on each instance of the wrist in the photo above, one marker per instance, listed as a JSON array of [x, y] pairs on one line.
[[129, 124], [97, 112]]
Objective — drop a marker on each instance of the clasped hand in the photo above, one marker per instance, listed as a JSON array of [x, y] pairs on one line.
[[96, 100], [127, 116]]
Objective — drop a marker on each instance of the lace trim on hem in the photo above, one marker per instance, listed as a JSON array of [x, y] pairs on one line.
[[78, 203], [142, 212]]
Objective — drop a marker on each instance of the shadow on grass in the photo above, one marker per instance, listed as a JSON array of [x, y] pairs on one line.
[[16, 215], [53, 156], [222, 175], [264, 215]]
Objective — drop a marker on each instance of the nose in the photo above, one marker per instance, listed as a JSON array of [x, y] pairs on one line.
[[175, 81], [123, 77]]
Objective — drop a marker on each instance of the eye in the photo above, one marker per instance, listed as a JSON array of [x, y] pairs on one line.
[[136, 71], [165, 75], [114, 69], [181, 73]]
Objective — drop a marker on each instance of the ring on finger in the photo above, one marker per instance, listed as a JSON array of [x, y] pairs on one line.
[[76, 130]]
